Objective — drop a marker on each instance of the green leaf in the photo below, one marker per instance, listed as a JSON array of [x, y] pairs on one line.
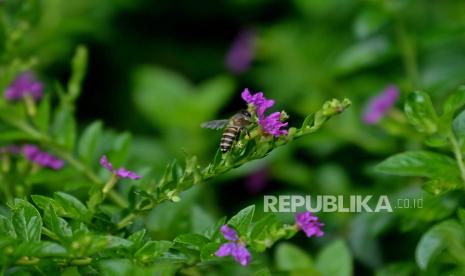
[[137, 239], [51, 249], [43, 201], [420, 112], [56, 224], [289, 257], [26, 220], [458, 125], [208, 251], [72, 206], [439, 186], [78, 71], [212, 232], [420, 163], [6, 227], [335, 259], [242, 220], [454, 102], [89, 140], [445, 235], [64, 127], [193, 241], [151, 250], [113, 267]]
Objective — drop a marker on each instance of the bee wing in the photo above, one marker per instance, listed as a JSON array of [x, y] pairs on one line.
[[215, 124]]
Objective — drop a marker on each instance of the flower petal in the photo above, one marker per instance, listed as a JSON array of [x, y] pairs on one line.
[[379, 105], [106, 164], [225, 249], [25, 83], [123, 173], [309, 223], [229, 233], [241, 254]]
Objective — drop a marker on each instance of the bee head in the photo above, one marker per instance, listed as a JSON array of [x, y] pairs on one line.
[[246, 113]]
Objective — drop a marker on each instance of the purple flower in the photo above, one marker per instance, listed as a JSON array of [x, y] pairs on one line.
[[229, 233], [379, 105], [271, 124], [25, 83], [42, 158], [309, 223], [121, 172], [235, 248], [242, 52]]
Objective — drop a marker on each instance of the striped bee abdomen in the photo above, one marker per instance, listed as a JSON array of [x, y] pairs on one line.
[[229, 135]]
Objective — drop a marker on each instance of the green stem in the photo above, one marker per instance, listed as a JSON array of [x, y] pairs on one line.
[[408, 53], [126, 220], [109, 185], [458, 154]]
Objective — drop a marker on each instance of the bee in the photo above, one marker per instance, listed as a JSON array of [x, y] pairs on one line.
[[234, 126]]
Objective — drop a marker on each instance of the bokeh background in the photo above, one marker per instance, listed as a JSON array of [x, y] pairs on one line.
[[158, 69]]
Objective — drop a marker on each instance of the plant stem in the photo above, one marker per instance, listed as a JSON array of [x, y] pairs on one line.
[[126, 221], [458, 154], [408, 52]]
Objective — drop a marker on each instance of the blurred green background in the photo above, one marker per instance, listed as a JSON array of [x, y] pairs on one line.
[[157, 69]]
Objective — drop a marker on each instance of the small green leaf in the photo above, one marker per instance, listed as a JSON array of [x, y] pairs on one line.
[[453, 103], [289, 257], [420, 112], [78, 71], [242, 220], [56, 224], [194, 241], [113, 267], [51, 249], [208, 251], [89, 140], [42, 202], [439, 186], [212, 232], [26, 220], [72, 206], [151, 250], [458, 125], [445, 235], [335, 259], [64, 127], [6, 228], [419, 163]]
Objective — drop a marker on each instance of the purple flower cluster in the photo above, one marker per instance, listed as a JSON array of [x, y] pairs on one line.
[[271, 124], [309, 223], [379, 105], [234, 248], [25, 83], [42, 158], [121, 172], [242, 52]]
